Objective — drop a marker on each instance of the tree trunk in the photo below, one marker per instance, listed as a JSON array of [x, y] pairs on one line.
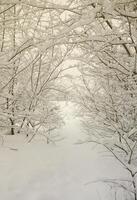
[[12, 130]]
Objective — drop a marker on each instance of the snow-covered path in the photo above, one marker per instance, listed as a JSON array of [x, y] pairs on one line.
[[37, 171]]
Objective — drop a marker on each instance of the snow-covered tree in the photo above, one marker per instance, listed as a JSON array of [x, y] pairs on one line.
[[31, 65], [107, 87]]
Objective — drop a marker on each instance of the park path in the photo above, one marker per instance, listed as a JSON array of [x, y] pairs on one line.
[[61, 171]]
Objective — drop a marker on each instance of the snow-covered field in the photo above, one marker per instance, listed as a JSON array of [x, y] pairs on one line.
[[61, 171]]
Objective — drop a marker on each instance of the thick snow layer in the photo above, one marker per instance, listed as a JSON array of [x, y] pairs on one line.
[[61, 171]]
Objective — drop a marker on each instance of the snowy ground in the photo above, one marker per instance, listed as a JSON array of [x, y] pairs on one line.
[[61, 171]]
